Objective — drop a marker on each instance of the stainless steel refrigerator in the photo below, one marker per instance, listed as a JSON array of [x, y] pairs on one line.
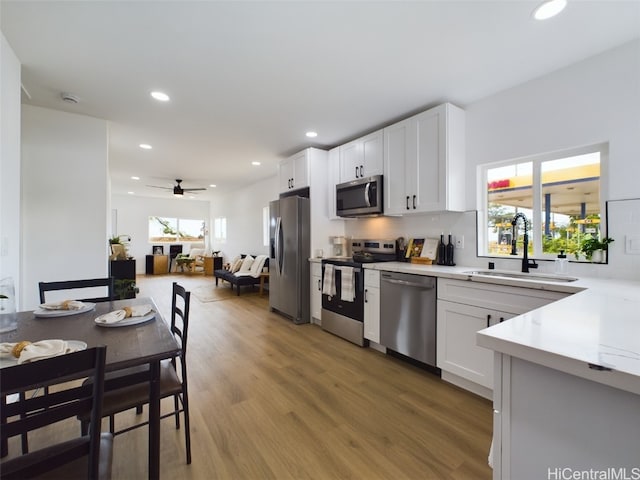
[[289, 252]]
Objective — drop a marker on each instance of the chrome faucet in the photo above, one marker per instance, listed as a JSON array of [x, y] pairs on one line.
[[526, 263]]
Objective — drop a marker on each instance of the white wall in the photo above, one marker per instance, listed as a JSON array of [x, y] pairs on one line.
[[64, 198], [133, 214], [10, 223], [243, 211]]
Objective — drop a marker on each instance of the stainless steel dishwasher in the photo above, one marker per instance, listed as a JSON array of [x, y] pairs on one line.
[[408, 315]]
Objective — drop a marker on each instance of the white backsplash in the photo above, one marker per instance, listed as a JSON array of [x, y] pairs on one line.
[[623, 221], [422, 226]]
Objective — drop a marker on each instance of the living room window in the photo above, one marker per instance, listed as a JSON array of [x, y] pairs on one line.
[[560, 194], [166, 229], [220, 229]]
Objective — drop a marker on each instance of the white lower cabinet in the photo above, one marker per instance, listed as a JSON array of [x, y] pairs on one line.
[[372, 305], [466, 307], [457, 351], [316, 292]]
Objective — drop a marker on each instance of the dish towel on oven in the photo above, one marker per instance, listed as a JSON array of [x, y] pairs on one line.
[[329, 281], [348, 287]]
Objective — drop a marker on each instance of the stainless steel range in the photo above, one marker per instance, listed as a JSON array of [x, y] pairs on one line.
[[343, 288]]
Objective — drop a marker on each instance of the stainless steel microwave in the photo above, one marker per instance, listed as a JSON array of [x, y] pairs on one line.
[[359, 198]]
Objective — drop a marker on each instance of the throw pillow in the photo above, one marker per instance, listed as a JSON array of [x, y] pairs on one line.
[[258, 263], [236, 264], [246, 264]]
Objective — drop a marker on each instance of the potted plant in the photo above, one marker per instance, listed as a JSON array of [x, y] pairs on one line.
[[125, 288], [593, 248]]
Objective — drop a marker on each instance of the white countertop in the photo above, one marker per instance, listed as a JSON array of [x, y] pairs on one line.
[[599, 325]]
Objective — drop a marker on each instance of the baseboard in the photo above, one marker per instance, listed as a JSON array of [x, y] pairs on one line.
[[468, 385]]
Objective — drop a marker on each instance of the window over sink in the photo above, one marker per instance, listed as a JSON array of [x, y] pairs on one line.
[[561, 195]]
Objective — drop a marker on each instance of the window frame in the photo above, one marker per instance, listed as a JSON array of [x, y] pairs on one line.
[[536, 218]]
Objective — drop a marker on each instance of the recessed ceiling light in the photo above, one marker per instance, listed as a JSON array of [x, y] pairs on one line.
[[255, 163], [146, 146], [213, 186], [131, 193], [135, 178], [160, 96], [311, 134], [549, 9]]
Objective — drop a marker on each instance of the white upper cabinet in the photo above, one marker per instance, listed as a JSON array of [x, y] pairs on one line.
[[293, 172], [424, 161], [334, 179], [362, 157]]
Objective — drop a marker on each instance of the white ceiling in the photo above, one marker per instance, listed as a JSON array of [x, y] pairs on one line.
[[248, 79]]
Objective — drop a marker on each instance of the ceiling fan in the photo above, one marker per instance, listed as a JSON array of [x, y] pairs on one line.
[[177, 188]]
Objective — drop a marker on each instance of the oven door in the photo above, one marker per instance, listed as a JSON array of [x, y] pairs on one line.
[[353, 310]]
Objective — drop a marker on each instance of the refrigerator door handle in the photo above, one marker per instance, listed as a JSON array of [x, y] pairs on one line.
[[366, 194], [277, 245]]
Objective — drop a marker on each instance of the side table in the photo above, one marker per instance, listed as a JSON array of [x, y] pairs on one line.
[[264, 277], [211, 264], [156, 264]]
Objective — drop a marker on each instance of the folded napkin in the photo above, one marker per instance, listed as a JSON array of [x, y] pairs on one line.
[[36, 350], [64, 305], [120, 315]]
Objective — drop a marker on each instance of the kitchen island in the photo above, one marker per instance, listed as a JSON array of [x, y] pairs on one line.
[[567, 387]]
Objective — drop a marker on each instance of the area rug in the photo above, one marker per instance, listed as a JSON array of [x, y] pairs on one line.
[[206, 293]]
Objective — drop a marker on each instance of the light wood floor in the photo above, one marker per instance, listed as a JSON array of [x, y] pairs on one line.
[[274, 400]]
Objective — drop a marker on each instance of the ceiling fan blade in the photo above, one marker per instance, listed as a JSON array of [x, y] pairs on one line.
[[156, 186], [192, 189]]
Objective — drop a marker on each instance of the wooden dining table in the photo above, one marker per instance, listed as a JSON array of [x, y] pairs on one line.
[[146, 343]]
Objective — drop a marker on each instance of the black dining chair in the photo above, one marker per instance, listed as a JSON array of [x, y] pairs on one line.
[[173, 379], [79, 284], [88, 456], [73, 285]]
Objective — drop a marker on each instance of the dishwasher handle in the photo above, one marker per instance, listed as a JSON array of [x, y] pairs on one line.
[[408, 284]]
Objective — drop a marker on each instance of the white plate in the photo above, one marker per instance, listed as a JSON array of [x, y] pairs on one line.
[[72, 345], [41, 312], [127, 322]]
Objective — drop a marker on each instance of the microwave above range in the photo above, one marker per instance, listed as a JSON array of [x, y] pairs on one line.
[[360, 198]]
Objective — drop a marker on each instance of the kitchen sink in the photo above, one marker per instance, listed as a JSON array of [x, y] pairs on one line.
[[541, 277]]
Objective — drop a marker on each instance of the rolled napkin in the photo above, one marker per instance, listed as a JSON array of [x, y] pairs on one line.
[[30, 352], [127, 312], [64, 305]]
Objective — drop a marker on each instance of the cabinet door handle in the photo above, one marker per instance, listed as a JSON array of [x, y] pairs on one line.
[[361, 171], [289, 183], [414, 202], [501, 319], [292, 183], [356, 172], [366, 300], [488, 321], [319, 285], [408, 203]]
